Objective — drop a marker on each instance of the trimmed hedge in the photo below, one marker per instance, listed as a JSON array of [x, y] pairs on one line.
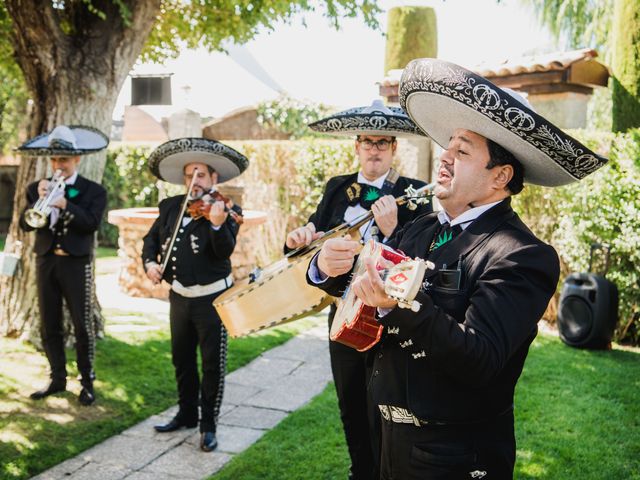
[[129, 183], [286, 179]]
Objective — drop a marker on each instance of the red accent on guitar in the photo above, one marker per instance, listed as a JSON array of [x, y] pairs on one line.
[[355, 324]]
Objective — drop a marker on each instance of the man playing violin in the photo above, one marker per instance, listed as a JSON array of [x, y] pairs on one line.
[[347, 197], [198, 267]]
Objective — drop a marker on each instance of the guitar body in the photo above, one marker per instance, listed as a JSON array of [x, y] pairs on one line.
[[280, 295], [355, 324]]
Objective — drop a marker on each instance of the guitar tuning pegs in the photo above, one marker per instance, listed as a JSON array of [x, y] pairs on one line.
[[429, 265]]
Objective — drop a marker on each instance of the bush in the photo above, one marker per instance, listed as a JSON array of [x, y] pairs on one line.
[[291, 116], [603, 208], [129, 183], [286, 179]]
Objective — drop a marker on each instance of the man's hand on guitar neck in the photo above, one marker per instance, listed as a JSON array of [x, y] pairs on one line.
[[369, 287], [336, 256], [302, 236], [385, 212]]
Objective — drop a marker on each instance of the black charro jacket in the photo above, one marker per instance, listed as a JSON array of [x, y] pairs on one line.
[[200, 256], [75, 228], [458, 359], [334, 203]]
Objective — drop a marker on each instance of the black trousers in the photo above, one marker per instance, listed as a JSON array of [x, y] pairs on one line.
[[484, 451], [70, 278], [195, 322], [360, 417]]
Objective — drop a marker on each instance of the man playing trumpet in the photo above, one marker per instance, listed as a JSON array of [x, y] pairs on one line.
[[65, 212]]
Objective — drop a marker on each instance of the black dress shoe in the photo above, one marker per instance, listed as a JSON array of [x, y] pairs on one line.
[[208, 441], [53, 387], [174, 425], [87, 396]]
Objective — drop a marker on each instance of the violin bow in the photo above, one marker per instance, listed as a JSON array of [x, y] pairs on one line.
[[176, 227]]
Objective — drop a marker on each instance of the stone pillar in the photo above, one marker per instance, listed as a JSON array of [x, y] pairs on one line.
[[185, 123], [133, 224]]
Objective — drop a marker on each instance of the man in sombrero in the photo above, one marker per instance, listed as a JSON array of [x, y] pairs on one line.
[[346, 197], [445, 375], [198, 268], [65, 229]]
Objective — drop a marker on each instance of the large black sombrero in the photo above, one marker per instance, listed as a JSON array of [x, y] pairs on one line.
[[376, 119], [441, 97], [65, 141], [167, 162]]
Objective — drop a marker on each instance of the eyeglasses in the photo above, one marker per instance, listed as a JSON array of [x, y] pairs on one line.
[[381, 145]]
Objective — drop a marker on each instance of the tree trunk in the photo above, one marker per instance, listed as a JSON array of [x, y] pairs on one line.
[[74, 77]]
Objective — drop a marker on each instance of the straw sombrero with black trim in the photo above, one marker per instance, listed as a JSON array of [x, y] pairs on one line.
[[441, 97], [65, 141], [375, 119], [167, 162]]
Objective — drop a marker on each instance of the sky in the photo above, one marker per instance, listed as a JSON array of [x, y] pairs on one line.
[[340, 68]]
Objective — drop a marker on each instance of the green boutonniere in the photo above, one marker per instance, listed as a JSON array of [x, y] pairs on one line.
[[371, 195], [442, 239], [72, 192]]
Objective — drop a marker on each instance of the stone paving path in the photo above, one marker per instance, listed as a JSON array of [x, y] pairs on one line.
[[256, 398]]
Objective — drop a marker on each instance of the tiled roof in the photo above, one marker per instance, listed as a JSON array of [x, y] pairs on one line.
[[556, 61]]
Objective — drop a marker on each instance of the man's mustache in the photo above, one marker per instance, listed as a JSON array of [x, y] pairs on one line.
[[448, 168]]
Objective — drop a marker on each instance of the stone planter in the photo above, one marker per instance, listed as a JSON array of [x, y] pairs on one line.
[[134, 223]]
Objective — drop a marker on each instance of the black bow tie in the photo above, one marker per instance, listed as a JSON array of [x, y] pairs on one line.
[[363, 194]]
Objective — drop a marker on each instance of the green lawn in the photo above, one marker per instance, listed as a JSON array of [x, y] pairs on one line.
[[135, 380], [2, 240], [577, 417]]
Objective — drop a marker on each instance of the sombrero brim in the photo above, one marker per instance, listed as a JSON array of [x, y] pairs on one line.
[[88, 140], [441, 97], [167, 162], [363, 121]]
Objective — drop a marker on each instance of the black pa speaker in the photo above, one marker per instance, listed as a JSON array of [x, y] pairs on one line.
[[588, 308]]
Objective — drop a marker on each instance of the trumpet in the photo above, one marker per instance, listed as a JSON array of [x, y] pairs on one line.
[[36, 216]]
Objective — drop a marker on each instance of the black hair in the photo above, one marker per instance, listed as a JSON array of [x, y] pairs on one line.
[[499, 155]]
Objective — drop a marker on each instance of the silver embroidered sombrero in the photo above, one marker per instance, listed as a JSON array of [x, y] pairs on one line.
[[65, 141], [441, 97], [167, 162], [376, 119]]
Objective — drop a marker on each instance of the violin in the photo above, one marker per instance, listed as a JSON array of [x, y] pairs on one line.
[[201, 206]]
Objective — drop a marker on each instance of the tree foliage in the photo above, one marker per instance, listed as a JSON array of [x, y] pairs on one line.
[[211, 23], [291, 116], [626, 65], [13, 92], [412, 32], [75, 55], [586, 23], [602, 208]]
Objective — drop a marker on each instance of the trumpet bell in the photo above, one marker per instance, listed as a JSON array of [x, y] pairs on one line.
[[35, 218]]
